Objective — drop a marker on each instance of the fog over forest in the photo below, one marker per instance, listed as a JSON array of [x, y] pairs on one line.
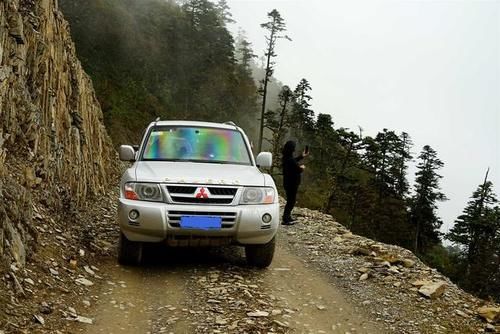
[[429, 68]]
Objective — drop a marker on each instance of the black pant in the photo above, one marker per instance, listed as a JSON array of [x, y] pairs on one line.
[[291, 197]]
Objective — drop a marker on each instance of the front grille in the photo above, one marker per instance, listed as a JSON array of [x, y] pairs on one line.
[[202, 200], [228, 218], [222, 191], [181, 189], [190, 194]]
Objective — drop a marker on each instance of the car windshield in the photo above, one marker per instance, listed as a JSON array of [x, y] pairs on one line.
[[196, 144]]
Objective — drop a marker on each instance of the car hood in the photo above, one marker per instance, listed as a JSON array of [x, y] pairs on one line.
[[198, 173]]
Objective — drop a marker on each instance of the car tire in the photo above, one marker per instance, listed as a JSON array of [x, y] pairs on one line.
[[260, 256], [129, 252]]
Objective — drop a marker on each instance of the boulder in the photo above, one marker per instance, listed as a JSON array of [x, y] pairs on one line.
[[490, 328], [84, 281], [364, 277], [392, 259], [433, 290], [258, 314], [407, 263], [421, 282], [490, 314], [361, 251]]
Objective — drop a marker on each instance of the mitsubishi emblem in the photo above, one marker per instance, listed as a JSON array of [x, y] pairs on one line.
[[202, 193]]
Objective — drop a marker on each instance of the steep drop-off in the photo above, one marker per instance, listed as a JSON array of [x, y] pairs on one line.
[[54, 149]]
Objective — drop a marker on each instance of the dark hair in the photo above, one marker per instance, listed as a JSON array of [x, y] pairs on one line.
[[288, 149]]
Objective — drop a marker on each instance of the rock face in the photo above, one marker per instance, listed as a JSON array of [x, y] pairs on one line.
[[52, 138]]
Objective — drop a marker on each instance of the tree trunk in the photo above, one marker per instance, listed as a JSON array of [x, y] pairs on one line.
[[417, 237], [267, 76]]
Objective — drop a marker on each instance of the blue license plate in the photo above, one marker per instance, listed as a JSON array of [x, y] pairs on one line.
[[201, 222]]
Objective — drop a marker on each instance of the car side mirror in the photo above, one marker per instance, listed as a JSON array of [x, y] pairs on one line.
[[127, 153], [264, 159]]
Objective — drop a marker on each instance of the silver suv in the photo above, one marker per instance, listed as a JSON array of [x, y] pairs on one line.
[[197, 184]]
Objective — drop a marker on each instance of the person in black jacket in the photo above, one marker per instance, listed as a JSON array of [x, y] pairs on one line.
[[291, 178]]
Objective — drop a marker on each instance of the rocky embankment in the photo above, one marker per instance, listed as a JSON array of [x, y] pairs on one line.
[[389, 281], [55, 153]]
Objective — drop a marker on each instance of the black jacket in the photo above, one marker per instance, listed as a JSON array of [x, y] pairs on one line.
[[291, 171]]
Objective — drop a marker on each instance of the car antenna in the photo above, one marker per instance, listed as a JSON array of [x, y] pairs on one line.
[[230, 123], [156, 120]]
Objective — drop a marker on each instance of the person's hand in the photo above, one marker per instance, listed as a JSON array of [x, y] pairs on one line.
[[305, 154], [302, 167]]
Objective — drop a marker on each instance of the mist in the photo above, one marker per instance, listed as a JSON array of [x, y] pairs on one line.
[[431, 69]]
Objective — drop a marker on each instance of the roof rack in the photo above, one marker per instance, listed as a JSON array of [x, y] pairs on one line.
[[156, 120]]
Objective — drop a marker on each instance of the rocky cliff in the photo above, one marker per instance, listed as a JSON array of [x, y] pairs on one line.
[[54, 149]]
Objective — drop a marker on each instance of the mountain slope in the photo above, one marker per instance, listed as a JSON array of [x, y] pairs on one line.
[[156, 58]]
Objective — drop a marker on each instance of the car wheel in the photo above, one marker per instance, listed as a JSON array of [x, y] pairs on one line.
[[260, 256], [129, 252]]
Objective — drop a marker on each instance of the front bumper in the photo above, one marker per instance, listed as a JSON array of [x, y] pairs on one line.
[[242, 224]]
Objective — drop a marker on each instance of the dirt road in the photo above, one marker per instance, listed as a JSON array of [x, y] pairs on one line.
[[315, 285], [200, 291]]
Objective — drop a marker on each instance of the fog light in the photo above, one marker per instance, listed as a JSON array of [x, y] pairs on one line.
[[133, 214], [266, 218]]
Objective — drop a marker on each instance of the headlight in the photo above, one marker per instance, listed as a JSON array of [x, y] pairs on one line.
[[143, 192], [255, 195]]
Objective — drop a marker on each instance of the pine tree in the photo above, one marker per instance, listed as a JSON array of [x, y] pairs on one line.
[[194, 9], [302, 115], [244, 52], [326, 138], [400, 166], [346, 158], [386, 156], [278, 123], [477, 231], [275, 26], [423, 214], [224, 12]]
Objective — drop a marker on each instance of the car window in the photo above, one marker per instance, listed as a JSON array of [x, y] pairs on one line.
[[196, 144]]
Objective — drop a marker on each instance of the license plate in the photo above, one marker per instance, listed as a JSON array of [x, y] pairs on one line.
[[201, 222]]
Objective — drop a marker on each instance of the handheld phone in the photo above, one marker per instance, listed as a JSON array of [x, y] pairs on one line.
[[306, 150]]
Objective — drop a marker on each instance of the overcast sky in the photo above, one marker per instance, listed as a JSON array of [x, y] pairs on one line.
[[430, 68]]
